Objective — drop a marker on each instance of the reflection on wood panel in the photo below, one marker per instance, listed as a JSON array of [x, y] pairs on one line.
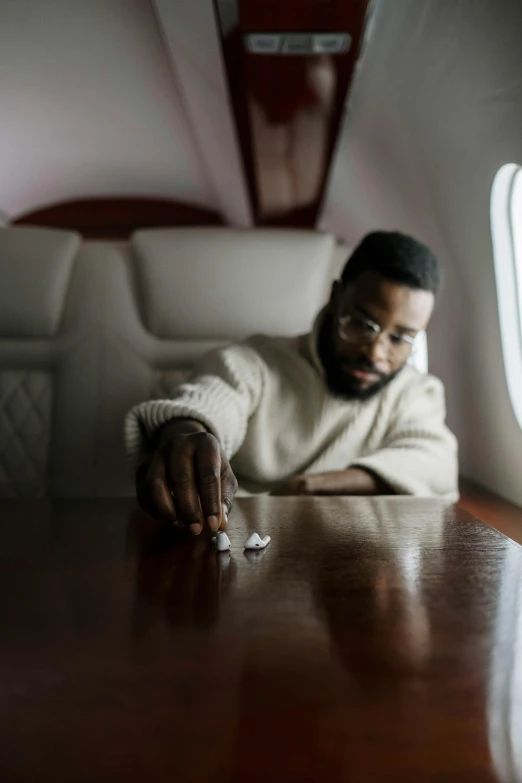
[[288, 108], [118, 218]]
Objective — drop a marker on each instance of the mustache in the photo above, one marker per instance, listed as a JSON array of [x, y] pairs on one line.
[[364, 366]]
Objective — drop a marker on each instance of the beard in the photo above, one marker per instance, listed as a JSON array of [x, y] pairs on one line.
[[339, 383]]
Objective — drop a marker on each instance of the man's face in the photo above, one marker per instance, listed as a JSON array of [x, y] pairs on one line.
[[358, 371]]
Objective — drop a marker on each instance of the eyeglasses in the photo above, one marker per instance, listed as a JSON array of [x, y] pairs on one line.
[[361, 331]]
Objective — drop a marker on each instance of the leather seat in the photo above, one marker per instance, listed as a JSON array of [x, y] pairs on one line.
[[36, 267], [89, 329]]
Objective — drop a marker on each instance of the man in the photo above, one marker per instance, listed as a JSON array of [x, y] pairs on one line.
[[335, 412]]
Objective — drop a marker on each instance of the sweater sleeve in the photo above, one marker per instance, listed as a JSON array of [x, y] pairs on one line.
[[223, 393], [419, 453]]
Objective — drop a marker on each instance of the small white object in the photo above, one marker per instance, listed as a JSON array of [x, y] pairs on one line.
[[221, 542], [256, 542]]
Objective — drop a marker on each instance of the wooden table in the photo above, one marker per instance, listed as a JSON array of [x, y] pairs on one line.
[[374, 640]]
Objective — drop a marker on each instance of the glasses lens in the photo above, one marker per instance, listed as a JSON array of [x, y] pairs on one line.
[[356, 331], [398, 349]]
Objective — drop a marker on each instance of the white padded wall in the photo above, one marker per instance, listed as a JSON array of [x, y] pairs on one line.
[[90, 106]]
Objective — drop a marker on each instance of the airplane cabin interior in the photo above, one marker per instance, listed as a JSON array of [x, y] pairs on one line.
[[184, 184]]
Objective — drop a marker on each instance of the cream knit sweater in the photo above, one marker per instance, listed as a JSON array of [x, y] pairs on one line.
[[267, 403]]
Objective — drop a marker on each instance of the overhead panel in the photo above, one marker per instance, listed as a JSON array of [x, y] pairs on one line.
[[289, 68]]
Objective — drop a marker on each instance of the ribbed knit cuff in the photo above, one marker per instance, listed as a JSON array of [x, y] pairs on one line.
[[397, 473], [145, 419]]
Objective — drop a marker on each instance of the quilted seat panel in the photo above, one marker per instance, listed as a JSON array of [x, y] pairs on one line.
[[25, 428]]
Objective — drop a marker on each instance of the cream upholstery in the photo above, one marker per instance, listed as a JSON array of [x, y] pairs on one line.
[[117, 323], [35, 268], [25, 428], [232, 286]]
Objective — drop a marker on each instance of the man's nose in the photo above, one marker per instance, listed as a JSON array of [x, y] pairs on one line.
[[377, 350]]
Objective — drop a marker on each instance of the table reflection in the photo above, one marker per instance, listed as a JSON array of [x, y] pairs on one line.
[[505, 685], [364, 589], [373, 600], [184, 578], [379, 618], [375, 639]]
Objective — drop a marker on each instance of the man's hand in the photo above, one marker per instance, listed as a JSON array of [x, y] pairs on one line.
[[295, 485], [353, 481], [188, 480]]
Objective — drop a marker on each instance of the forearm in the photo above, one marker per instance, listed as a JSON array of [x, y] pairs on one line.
[[353, 481]]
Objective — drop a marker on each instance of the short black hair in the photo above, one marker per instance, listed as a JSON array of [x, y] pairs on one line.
[[396, 257]]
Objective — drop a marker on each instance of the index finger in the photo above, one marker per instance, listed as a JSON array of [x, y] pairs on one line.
[[207, 466], [152, 491]]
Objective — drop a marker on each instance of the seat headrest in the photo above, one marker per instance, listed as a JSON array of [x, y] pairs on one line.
[[35, 269], [228, 283]]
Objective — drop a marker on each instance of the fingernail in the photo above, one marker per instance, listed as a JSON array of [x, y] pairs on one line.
[[195, 529], [213, 523], [225, 512]]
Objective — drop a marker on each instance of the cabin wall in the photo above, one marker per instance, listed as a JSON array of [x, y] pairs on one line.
[[435, 111], [90, 106]]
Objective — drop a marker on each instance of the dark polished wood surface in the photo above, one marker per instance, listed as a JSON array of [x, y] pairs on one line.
[[486, 505], [374, 640]]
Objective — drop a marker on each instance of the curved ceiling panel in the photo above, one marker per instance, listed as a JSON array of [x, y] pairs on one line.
[[90, 106]]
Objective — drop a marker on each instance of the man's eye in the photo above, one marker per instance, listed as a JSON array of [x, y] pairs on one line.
[[363, 326], [397, 339]]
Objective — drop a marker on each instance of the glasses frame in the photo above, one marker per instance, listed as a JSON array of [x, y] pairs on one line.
[[405, 339]]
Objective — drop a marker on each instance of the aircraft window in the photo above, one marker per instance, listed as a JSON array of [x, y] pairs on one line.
[[506, 230]]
